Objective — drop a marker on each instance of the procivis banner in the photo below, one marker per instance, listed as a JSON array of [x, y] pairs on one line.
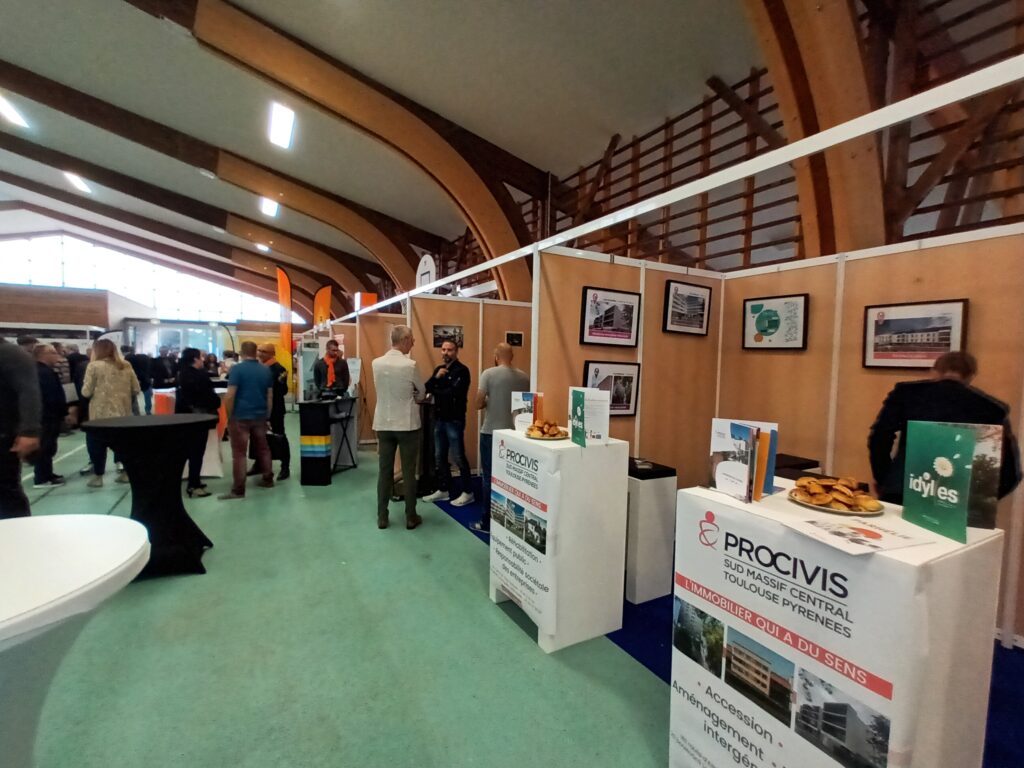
[[525, 486], [787, 653]]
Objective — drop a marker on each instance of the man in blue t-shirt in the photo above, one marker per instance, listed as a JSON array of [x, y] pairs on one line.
[[248, 405]]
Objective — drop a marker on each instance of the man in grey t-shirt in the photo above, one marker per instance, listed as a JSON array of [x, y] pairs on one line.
[[494, 398]]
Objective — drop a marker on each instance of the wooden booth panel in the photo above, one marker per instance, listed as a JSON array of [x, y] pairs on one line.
[[499, 319], [560, 356], [788, 387], [677, 383], [374, 337], [426, 312], [35, 304], [987, 273]]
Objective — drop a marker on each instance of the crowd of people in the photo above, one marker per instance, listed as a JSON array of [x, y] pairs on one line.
[[46, 390]]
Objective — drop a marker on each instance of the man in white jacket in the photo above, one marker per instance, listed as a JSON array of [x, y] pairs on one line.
[[396, 420]]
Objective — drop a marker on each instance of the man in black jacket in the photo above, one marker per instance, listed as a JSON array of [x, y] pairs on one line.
[[19, 425], [946, 397], [141, 363], [267, 354], [331, 371], [164, 370], [449, 386], [54, 410]]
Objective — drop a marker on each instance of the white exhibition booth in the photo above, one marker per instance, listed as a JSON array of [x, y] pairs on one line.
[[43, 608], [558, 531], [790, 651]]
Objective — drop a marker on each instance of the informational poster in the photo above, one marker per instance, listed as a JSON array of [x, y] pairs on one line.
[[588, 416], [951, 477], [525, 485], [786, 652], [861, 535]]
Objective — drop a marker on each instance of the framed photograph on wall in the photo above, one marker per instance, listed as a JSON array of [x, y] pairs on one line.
[[687, 308], [441, 333], [913, 335], [776, 322], [514, 338], [611, 318], [620, 380]]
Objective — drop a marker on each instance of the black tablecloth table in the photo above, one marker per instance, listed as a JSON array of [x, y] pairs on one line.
[[154, 450]]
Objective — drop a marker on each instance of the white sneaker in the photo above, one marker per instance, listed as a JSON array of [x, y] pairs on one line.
[[437, 496], [463, 500]]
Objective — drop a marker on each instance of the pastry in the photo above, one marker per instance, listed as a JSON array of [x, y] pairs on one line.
[[845, 498], [838, 506], [814, 488], [869, 504], [821, 499], [826, 481], [805, 481], [849, 482], [800, 495]]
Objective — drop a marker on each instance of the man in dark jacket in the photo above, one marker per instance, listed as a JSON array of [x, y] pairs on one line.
[[449, 386], [947, 397], [141, 363], [19, 425], [331, 371], [267, 354], [164, 370], [54, 410]]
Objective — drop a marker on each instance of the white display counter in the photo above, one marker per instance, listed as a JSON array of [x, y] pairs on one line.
[[651, 533], [558, 531], [789, 651], [54, 572]]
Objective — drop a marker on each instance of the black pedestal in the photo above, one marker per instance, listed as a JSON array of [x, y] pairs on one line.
[[154, 450]]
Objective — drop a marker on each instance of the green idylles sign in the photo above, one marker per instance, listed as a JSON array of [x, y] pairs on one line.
[[578, 421], [937, 485]]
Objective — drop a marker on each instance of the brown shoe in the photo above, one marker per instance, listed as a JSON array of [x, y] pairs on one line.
[[265, 483], [413, 522], [382, 523]]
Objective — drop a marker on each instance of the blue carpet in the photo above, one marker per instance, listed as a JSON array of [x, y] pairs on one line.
[[646, 635]]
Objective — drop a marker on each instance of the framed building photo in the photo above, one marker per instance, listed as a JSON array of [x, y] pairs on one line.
[[609, 317], [776, 322], [441, 333], [514, 338], [687, 308], [620, 380], [913, 335]]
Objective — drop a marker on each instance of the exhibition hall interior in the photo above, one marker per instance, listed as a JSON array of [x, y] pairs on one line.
[[483, 383]]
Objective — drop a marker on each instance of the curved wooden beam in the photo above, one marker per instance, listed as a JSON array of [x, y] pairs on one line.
[[251, 42], [814, 56]]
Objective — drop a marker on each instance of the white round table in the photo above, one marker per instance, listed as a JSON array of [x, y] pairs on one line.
[[54, 572]]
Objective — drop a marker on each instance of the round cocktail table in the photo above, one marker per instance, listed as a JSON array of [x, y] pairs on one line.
[[54, 572], [154, 450]]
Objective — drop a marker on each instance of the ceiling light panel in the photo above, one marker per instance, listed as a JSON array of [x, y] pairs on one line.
[[268, 207], [11, 114], [262, 248], [78, 182], [282, 125]]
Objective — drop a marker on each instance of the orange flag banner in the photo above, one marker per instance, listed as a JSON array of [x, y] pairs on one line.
[[322, 305], [284, 300]]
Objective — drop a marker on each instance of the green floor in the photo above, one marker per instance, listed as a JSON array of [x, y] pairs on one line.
[[316, 639]]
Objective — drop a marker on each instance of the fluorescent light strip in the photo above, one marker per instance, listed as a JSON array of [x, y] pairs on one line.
[[77, 182], [282, 124], [262, 248], [968, 86], [11, 114], [268, 207]]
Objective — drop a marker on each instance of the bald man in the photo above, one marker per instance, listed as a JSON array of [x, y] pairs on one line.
[[494, 398]]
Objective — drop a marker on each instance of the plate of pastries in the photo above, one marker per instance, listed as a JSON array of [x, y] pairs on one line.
[[546, 430], [836, 495]]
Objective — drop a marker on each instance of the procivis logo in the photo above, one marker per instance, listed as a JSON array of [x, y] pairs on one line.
[[513, 456], [501, 450], [791, 566], [708, 530]]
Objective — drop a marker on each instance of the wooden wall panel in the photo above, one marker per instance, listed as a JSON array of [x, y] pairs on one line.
[[677, 384], [499, 318], [788, 387], [35, 304], [374, 341], [424, 314], [560, 355]]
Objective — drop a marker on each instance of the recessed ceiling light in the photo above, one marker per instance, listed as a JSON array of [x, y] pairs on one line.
[[262, 248], [11, 114], [207, 173], [77, 182], [268, 207], [282, 122]]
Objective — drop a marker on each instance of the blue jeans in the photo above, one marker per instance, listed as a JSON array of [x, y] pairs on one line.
[[147, 396], [486, 444], [451, 435]]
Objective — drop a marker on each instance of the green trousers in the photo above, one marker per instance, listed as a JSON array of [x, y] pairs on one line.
[[407, 444]]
